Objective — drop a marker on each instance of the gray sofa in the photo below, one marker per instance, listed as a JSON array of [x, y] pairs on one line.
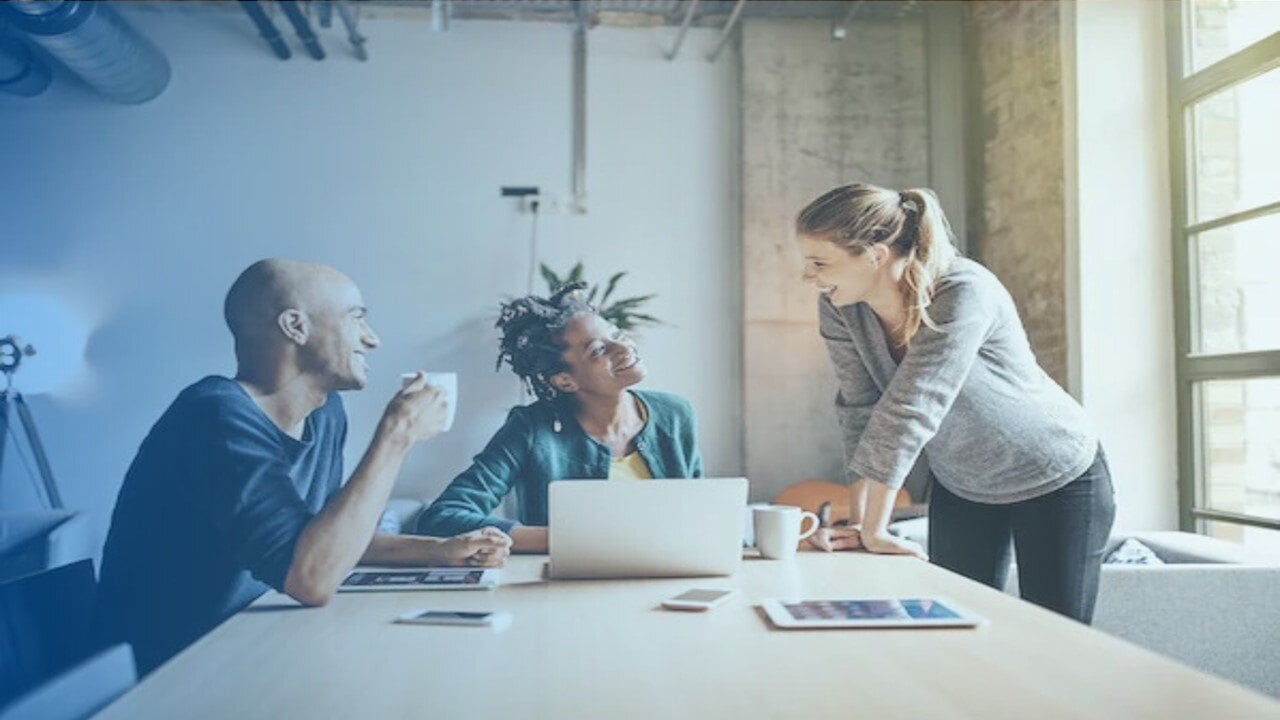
[[1209, 606]]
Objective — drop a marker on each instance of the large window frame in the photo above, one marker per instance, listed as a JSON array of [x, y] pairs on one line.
[[1185, 89]]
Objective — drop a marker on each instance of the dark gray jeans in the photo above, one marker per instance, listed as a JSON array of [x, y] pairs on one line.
[[1059, 539]]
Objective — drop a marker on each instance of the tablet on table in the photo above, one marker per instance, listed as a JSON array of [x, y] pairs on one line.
[[868, 613], [447, 578]]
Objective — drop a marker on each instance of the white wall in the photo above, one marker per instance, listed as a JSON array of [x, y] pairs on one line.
[[1124, 347], [140, 217]]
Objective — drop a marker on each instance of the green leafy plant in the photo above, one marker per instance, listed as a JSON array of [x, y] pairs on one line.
[[623, 312]]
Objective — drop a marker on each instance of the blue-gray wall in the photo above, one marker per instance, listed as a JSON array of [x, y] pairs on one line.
[[138, 218]]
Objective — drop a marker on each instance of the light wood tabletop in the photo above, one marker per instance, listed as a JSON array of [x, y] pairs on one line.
[[606, 649]]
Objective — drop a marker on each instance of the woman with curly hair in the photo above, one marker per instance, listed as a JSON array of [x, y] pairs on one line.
[[587, 421]]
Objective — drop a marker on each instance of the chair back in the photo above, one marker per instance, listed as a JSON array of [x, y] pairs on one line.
[[79, 691], [45, 626]]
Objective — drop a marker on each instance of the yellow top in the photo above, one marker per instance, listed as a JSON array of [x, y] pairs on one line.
[[629, 467]]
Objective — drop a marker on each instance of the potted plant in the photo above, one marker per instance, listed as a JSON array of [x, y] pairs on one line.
[[624, 313]]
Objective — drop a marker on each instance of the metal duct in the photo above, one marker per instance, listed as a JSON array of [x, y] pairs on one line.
[[440, 12], [350, 19], [94, 42], [266, 28], [21, 72], [302, 27]]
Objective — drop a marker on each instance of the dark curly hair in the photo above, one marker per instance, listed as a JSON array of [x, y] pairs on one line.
[[532, 343]]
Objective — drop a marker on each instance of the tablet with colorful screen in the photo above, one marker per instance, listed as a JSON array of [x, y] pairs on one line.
[[868, 613], [420, 579]]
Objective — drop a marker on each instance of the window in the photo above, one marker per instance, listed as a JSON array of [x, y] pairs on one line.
[[1224, 84]]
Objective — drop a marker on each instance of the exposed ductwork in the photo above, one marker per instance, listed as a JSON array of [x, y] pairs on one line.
[[350, 20], [95, 43], [302, 26], [297, 17], [727, 31], [266, 28], [21, 72], [690, 9]]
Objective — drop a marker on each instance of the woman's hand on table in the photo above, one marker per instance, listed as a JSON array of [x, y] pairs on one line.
[[886, 543], [829, 539]]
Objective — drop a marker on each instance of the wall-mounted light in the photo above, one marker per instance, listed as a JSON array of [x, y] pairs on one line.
[[12, 352], [51, 325], [840, 29]]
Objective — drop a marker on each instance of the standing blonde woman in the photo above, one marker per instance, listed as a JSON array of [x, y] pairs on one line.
[[932, 359]]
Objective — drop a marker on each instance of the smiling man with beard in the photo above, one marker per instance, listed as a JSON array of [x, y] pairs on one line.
[[238, 487]]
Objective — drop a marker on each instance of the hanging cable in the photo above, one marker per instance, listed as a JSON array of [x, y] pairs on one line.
[[533, 244]]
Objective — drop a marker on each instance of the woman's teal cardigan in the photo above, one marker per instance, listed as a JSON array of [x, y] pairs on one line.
[[527, 453]]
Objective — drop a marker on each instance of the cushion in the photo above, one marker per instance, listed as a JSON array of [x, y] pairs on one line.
[[915, 530], [1185, 547], [1133, 552]]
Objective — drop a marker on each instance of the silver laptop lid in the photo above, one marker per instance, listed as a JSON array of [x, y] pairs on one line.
[[647, 528]]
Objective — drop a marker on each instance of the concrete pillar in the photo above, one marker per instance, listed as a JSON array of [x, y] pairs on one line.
[[816, 114]]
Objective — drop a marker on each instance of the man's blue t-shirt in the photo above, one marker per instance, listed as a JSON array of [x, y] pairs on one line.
[[209, 514]]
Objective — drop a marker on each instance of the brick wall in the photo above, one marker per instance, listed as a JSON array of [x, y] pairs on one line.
[[1018, 221]]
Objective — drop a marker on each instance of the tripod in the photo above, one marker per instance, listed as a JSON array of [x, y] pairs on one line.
[[11, 355]]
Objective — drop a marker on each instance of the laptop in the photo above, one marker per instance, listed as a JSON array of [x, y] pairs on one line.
[[650, 528]]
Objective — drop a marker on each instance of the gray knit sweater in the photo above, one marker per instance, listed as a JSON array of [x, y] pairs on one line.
[[994, 427]]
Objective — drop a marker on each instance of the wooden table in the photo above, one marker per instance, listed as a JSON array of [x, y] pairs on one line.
[[606, 649]]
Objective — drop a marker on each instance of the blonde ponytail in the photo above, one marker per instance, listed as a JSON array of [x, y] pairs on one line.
[[929, 255], [911, 223]]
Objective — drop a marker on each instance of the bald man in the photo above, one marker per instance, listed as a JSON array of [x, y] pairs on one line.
[[238, 487]]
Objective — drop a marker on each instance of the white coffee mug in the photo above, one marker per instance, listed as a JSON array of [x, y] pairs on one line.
[[778, 530], [444, 381], [749, 523]]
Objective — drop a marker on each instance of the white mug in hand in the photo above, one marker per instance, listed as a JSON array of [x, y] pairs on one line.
[[778, 530], [446, 382]]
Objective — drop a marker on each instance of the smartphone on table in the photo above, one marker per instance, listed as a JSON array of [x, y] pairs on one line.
[[697, 599], [455, 617]]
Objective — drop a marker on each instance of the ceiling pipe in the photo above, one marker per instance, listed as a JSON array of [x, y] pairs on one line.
[[440, 12], [690, 9], [580, 109], [266, 28], [21, 72], [324, 13], [728, 30], [302, 26], [350, 20], [93, 41]]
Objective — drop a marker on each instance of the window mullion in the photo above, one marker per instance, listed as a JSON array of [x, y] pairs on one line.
[[1188, 477], [1230, 366], [1233, 218], [1238, 67]]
